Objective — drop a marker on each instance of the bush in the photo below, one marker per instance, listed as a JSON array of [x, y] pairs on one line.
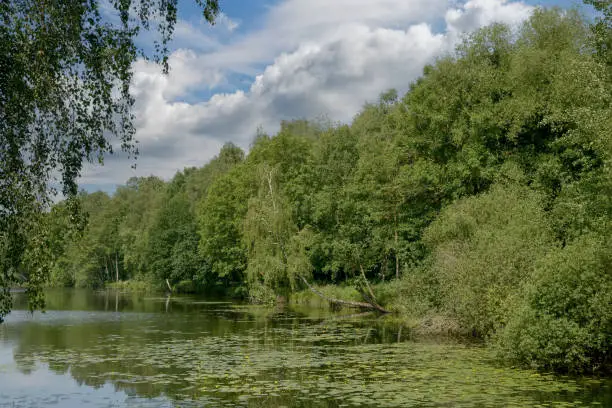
[[134, 286], [344, 292], [483, 247], [185, 286], [413, 296], [563, 320], [261, 294]]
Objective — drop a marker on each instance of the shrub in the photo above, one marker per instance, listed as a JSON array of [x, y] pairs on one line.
[[134, 285], [414, 295], [483, 247], [185, 286], [563, 320]]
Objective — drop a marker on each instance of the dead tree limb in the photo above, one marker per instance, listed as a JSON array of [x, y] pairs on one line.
[[367, 283], [369, 297], [346, 317], [349, 303]]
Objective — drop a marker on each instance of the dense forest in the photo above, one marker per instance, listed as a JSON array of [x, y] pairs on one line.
[[481, 199]]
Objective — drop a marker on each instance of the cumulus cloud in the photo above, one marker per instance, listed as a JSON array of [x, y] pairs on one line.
[[336, 77], [478, 13], [186, 77], [292, 22], [322, 58]]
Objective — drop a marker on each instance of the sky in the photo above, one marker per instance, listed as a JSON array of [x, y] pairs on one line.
[[270, 60]]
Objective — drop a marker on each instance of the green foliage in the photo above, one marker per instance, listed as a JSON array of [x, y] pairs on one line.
[[185, 286], [602, 29], [267, 230], [65, 74], [173, 241], [584, 206], [563, 318], [147, 230], [482, 248], [308, 298], [220, 219], [456, 201], [266, 357], [415, 296], [133, 286]]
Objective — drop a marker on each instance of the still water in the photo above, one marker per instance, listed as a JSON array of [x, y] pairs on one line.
[[105, 349]]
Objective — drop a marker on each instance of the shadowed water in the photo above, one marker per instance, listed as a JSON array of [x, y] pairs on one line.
[[105, 349]]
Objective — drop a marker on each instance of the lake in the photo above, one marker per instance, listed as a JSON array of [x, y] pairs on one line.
[[107, 349]]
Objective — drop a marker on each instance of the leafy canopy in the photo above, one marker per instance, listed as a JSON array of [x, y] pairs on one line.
[[65, 73]]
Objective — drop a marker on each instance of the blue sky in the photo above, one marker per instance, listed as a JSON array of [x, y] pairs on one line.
[[248, 12], [265, 61]]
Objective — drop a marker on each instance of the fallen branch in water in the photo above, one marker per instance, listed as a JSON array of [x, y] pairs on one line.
[[363, 305], [346, 317]]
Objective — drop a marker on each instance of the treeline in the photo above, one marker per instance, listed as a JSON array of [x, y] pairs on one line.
[[484, 195]]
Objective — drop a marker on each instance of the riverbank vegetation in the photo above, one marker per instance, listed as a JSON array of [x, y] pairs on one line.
[[483, 196]]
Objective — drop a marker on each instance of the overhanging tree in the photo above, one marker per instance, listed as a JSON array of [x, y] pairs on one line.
[[65, 73]]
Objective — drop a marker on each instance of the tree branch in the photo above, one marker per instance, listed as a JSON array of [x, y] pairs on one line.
[[349, 303]]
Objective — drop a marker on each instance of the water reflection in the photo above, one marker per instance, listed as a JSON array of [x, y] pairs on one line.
[[119, 350]]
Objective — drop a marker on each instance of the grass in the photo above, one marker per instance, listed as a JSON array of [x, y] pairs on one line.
[[134, 286], [403, 298]]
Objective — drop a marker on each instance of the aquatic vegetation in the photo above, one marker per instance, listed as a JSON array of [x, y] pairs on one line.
[[236, 355]]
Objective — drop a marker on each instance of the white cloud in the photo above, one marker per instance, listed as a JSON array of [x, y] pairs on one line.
[[188, 35], [292, 22], [478, 13], [324, 58], [337, 77], [226, 22], [185, 77]]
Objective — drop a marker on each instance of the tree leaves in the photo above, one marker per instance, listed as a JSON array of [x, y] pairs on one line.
[[65, 73]]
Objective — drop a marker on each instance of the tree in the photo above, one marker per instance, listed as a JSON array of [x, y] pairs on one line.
[[65, 73], [602, 29], [143, 197], [268, 229], [87, 259], [173, 240], [480, 253], [485, 192], [561, 318], [220, 217], [333, 165]]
